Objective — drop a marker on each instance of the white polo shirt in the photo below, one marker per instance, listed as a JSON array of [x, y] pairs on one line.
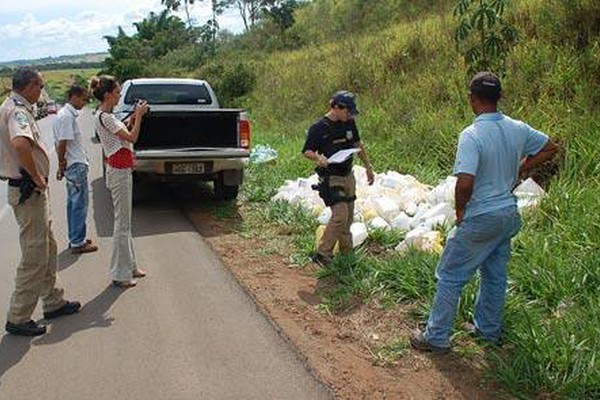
[[66, 128]]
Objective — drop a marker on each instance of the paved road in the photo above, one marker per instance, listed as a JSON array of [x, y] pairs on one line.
[[187, 331]]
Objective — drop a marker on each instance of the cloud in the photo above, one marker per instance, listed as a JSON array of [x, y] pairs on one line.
[[65, 27]]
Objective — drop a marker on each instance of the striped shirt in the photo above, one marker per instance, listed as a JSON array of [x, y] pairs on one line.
[[107, 125]]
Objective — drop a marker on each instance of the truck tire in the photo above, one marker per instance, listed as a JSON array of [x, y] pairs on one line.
[[223, 191]]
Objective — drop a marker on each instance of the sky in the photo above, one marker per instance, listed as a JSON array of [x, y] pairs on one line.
[[31, 29]]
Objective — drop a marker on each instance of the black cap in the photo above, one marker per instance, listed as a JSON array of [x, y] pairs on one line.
[[345, 99], [486, 85]]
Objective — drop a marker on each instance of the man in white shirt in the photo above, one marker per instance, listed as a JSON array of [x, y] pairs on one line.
[[73, 165]]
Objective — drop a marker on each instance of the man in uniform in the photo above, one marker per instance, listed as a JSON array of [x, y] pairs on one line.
[[73, 165], [334, 132], [25, 164], [491, 154]]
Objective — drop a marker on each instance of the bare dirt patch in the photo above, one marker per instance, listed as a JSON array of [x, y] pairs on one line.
[[345, 350]]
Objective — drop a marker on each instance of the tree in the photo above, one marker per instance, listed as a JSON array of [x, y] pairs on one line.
[[174, 5], [252, 11], [156, 35], [483, 36]]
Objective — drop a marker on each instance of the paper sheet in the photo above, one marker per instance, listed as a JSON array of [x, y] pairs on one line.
[[342, 156]]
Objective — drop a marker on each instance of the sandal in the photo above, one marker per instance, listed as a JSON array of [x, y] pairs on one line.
[[124, 284], [139, 273]]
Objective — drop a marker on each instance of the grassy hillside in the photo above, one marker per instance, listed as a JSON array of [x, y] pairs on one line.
[[412, 96]]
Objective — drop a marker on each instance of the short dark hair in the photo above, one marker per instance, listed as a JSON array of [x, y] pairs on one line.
[[486, 86], [23, 76], [100, 85], [76, 90]]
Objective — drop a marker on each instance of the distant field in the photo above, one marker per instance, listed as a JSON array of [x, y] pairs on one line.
[[58, 81]]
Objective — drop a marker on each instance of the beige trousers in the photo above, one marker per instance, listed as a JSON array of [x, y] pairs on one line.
[[342, 215], [36, 273], [120, 184]]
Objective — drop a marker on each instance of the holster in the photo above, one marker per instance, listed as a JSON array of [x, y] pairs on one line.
[[331, 195], [26, 186]]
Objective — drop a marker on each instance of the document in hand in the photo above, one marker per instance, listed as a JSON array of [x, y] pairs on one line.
[[341, 156]]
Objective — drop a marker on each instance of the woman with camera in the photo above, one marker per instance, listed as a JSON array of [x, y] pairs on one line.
[[117, 143]]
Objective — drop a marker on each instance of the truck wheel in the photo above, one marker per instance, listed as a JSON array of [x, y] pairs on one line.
[[225, 192]]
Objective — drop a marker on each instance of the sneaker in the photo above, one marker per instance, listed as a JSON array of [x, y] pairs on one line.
[[29, 328], [320, 259], [70, 307], [475, 333], [85, 248], [418, 342]]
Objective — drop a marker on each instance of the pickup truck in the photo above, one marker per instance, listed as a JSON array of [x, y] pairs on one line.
[[186, 135]]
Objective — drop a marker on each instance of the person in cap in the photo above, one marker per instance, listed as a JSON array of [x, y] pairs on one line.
[[73, 164], [491, 154], [334, 132], [25, 164]]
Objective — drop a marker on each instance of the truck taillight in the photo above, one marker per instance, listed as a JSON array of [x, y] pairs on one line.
[[244, 128]]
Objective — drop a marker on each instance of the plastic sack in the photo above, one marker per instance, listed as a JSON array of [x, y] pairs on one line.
[[359, 233], [529, 194], [261, 154], [325, 216], [379, 223], [386, 208], [401, 222], [422, 239]]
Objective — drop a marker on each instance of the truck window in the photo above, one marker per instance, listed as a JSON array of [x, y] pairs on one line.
[[169, 94]]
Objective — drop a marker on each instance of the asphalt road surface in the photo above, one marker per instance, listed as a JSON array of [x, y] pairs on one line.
[[187, 331]]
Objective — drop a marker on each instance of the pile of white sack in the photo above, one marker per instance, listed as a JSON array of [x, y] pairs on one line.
[[398, 202]]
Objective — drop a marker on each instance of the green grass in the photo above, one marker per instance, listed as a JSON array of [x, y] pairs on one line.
[[58, 81], [412, 97]]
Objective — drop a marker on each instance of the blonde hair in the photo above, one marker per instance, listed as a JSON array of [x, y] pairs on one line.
[[100, 85]]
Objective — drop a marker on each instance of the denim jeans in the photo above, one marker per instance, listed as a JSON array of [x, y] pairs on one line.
[[483, 243], [77, 202]]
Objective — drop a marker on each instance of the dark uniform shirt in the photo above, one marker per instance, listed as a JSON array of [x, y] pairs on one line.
[[327, 137]]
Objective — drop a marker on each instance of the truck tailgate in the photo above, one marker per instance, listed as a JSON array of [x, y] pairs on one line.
[[179, 130]]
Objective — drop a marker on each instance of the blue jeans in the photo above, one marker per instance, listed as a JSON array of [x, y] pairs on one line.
[[481, 243], [77, 202]]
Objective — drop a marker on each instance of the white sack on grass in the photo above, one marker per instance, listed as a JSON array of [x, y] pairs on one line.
[[359, 233], [528, 193], [386, 208], [411, 209], [440, 214], [325, 216], [423, 239], [418, 217], [444, 192], [379, 223], [401, 222]]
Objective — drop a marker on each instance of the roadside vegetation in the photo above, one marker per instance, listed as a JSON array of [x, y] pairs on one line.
[[412, 95], [411, 77]]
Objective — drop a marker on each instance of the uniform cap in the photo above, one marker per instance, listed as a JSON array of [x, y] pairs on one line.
[[345, 99]]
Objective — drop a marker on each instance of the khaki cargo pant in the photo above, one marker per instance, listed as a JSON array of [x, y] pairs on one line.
[[342, 215], [36, 273]]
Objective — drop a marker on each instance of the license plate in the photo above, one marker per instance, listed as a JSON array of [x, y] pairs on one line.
[[188, 168]]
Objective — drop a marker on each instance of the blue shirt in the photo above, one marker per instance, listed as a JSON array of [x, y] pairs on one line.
[[491, 149]]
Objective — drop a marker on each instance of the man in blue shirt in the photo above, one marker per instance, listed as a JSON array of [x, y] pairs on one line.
[[491, 154]]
